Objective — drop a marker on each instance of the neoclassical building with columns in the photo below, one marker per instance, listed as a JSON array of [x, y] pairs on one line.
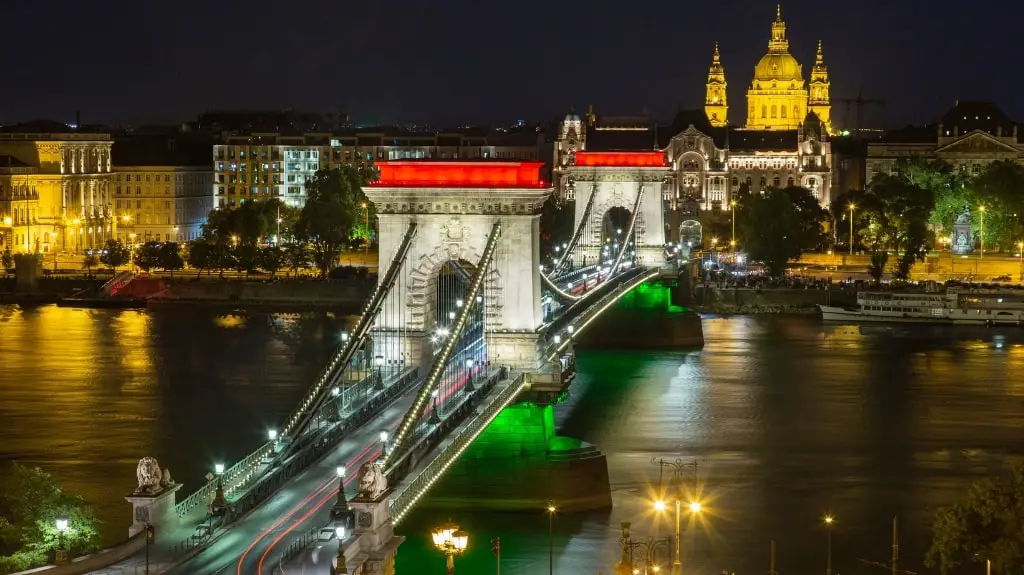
[[785, 140], [55, 188]]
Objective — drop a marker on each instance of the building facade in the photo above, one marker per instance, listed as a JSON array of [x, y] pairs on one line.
[[162, 187], [971, 135], [271, 165], [55, 188]]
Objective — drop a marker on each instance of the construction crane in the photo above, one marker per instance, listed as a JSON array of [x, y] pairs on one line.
[[860, 101]]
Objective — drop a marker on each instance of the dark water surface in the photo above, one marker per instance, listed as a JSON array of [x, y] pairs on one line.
[[789, 419]]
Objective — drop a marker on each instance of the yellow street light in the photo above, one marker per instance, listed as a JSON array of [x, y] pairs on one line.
[[451, 541], [829, 519], [695, 507], [659, 505], [8, 221], [551, 538], [981, 235]]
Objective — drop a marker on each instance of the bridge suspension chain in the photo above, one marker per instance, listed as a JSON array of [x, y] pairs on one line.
[[584, 223], [629, 238], [440, 364], [307, 409]]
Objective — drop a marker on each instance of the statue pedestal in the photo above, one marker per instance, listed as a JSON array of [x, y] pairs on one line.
[[373, 519], [156, 509]]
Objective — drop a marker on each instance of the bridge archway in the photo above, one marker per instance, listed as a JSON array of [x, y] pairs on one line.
[[690, 233]]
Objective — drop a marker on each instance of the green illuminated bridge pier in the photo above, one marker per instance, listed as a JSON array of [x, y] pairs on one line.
[[445, 390]]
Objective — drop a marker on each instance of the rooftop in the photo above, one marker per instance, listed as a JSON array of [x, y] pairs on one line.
[[463, 174]]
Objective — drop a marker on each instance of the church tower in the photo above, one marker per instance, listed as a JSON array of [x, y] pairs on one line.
[[777, 97], [715, 106], [818, 101]]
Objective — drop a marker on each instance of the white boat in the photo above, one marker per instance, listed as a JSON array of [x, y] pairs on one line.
[[952, 307]]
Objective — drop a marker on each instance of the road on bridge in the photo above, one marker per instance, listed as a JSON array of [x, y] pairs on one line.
[[253, 544]]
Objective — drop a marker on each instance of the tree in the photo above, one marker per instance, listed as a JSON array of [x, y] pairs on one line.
[[147, 256], [297, 256], [327, 219], [810, 216], [271, 259], [90, 261], [771, 229], [115, 255], [246, 258], [169, 257], [988, 524], [899, 211], [1000, 190], [31, 501], [201, 256], [7, 260]]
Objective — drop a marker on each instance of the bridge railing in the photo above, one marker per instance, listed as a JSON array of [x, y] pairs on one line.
[[432, 472]]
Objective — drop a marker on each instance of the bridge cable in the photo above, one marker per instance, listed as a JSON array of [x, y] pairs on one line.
[[440, 363], [578, 231], [341, 359], [629, 232]]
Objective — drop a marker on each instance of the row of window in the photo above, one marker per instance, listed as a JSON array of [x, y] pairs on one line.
[[775, 110]]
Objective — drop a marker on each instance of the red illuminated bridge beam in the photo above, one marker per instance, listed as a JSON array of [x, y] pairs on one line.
[[480, 174], [622, 159]]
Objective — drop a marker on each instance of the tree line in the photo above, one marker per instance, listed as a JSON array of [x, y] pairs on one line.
[[335, 217]]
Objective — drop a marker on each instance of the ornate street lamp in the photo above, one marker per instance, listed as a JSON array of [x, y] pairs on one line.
[[61, 554], [379, 362], [678, 467], [451, 541], [341, 513], [220, 504]]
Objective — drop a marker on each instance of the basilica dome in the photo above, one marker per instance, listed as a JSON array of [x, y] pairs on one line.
[[778, 66]]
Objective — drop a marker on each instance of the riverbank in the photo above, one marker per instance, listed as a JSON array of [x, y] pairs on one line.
[[768, 301]]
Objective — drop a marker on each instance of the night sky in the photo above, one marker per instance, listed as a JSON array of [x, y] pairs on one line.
[[142, 61]]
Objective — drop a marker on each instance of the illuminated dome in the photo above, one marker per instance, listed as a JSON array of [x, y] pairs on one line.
[[779, 67]]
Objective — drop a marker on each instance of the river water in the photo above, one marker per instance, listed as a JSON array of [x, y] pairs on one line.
[[788, 419]]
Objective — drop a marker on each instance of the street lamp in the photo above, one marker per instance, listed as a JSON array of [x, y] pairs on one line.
[[551, 538], [677, 468], [340, 568], [852, 207], [341, 512], [829, 520], [434, 417], [219, 503], [451, 541], [366, 222], [469, 374], [981, 236], [61, 555], [378, 361], [384, 442], [732, 242]]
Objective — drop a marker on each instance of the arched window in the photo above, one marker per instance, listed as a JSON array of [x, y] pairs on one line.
[[774, 111], [749, 182], [783, 110], [796, 112], [764, 111], [775, 182], [735, 181], [763, 182], [789, 182]]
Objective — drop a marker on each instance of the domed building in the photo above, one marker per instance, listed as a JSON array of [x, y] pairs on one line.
[[778, 98]]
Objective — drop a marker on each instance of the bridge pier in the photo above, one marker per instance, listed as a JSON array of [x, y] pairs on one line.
[[519, 463]]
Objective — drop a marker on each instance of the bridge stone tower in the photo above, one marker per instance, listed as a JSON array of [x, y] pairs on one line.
[[606, 180], [455, 206]]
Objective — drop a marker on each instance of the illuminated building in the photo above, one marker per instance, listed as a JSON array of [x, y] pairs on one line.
[[971, 135], [275, 165], [162, 188], [778, 97], [54, 188]]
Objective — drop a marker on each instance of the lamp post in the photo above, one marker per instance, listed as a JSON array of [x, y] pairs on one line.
[[61, 554], [650, 548], [384, 443], [981, 236], [341, 568], [434, 417], [341, 512], [278, 242], [829, 520], [366, 223], [732, 242], [451, 541], [1020, 249], [852, 207], [469, 374], [379, 363], [551, 538], [677, 468], [219, 504]]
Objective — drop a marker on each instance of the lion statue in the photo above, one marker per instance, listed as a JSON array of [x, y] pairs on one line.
[[372, 481], [149, 475], [165, 479]]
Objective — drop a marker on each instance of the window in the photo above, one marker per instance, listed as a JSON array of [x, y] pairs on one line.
[[783, 111], [735, 181], [789, 182], [774, 110], [775, 181], [796, 112], [764, 111]]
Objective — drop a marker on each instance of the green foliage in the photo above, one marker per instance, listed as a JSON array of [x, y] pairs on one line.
[[296, 256], [246, 258], [1000, 189], [115, 254], [988, 524], [147, 256], [7, 260], [876, 268], [772, 229], [898, 211], [271, 259], [329, 216], [31, 502], [90, 261], [169, 257], [249, 223], [201, 256]]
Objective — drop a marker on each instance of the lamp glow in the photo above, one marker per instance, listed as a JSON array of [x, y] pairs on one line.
[[218, 468], [695, 507], [62, 523], [272, 434], [659, 505], [383, 437], [340, 471]]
